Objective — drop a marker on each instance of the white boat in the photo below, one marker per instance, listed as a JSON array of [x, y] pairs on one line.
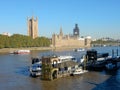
[[21, 52], [35, 69], [66, 58], [79, 50], [79, 71]]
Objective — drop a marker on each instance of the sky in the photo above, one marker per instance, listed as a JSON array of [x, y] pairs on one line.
[[96, 18]]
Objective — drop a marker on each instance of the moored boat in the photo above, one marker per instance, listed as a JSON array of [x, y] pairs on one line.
[[21, 52], [36, 67], [66, 58], [79, 49], [112, 64], [79, 71], [94, 61]]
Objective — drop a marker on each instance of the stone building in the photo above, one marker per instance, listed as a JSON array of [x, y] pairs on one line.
[[74, 40], [32, 27]]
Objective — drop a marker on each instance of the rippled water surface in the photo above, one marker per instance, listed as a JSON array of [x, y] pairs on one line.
[[14, 74]]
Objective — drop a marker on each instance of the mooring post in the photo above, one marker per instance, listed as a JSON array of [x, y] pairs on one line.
[[112, 53], [117, 52], [85, 62]]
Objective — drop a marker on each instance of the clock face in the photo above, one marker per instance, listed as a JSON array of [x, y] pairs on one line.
[[75, 32]]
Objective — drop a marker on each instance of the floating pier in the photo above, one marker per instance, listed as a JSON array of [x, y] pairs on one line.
[[92, 61]]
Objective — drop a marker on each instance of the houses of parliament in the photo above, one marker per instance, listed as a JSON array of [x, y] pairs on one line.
[[74, 40], [60, 40]]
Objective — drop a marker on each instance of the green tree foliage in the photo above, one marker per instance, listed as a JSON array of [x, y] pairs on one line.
[[102, 42], [17, 41]]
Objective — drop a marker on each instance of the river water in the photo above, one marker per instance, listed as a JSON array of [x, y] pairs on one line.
[[14, 74]]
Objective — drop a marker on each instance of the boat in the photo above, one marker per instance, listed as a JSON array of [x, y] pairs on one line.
[[66, 58], [94, 61], [21, 52], [35, 69], [79, 71], [79, 50], [112, 64]]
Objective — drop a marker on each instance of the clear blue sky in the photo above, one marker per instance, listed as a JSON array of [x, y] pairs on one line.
[[97, 18]]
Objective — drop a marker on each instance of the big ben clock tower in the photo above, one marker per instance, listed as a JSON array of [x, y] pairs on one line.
[[76, 31]]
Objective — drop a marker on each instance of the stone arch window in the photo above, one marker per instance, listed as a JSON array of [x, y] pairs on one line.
[[54, 64]]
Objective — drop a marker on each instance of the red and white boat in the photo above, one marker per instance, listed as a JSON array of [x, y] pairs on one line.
[[21, 52]]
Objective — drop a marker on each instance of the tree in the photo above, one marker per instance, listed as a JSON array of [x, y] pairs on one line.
[[17, 41]]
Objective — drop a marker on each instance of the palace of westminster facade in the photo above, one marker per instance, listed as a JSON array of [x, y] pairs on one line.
[[60, 40]]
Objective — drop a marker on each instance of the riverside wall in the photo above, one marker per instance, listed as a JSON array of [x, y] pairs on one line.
[[8, 50]]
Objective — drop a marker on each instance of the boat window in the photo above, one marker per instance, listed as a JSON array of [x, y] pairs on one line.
[[38, 66], [73, 58], [66, 68], [59, 69]]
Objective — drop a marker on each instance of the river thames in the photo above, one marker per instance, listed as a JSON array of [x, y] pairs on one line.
[[14, 74]]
